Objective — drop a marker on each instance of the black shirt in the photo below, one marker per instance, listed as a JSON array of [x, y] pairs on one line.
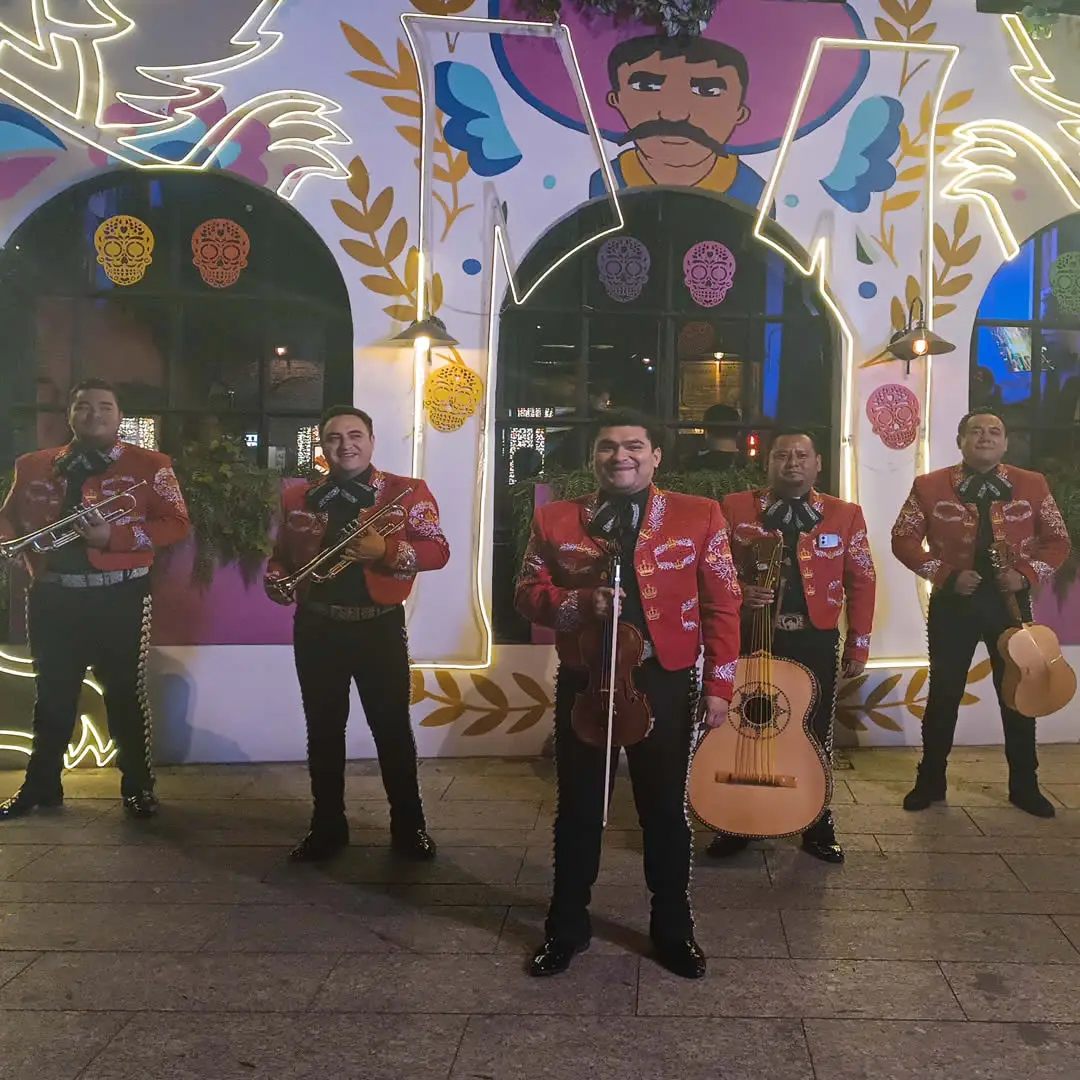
[[72, 558], [349, 588], [625, 514], [793, 601]]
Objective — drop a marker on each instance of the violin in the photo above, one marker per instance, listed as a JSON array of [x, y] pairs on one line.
[[611, 711], [1038, 680]]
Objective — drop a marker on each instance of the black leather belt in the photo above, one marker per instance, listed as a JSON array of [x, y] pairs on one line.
[[92, 581], [344, 613]]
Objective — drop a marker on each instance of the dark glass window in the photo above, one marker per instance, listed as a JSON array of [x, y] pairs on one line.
[[681, 310]]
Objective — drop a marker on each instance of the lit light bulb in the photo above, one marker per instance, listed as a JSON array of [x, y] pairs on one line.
[[423, 343], [281, 350], [920, 346]]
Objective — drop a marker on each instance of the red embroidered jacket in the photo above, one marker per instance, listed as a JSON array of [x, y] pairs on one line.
[[689, 590], [158, 519], [834, 560], [420, 545], [935, 532]]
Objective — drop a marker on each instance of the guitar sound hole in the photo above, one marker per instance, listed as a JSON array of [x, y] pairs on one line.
[[761, 711], [758, 712]]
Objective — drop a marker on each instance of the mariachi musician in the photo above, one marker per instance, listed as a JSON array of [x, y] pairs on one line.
[[826, 570], [350, 627], [678, 590], [89, 604], [944, 534]]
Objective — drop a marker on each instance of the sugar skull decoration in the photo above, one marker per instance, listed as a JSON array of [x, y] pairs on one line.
[[1065, 282], [696, 339], [220, 248], [893, 412], [451, 396], [624, 264], [124, 246], [709, 272]]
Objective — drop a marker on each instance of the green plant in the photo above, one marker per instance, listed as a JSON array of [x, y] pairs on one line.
[[688, 17], [572, 485], [231, 503], [1039, 19], [1064, 480]]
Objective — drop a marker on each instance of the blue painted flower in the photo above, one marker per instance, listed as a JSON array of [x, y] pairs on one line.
[[474, 121], [873, 134]]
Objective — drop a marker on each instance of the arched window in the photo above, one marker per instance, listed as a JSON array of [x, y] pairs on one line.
[[681, 310], [250, 344], [1025, 348]]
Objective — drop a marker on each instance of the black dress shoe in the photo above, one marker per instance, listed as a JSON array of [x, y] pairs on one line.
[[683, 958], [143, 804], [727, 847], [415, 844], [320, 845], [553, 957], [929, 788], [24, 800], [1032, 801], [823, 848]]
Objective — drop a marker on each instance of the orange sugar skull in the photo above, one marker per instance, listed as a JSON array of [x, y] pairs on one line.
[[220, 248]]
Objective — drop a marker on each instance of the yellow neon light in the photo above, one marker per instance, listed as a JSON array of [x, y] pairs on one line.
[[289, 107], [500, 254], [817, 265], [980, 140]]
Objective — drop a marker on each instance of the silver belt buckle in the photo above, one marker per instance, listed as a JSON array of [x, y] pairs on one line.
[[791, 621]]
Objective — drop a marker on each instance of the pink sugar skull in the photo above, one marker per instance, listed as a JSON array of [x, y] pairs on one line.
[[623, 263], [893, 412], [709, 269]]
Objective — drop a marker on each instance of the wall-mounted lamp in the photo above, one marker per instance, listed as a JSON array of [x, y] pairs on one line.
[[424, 333], [915, 340]]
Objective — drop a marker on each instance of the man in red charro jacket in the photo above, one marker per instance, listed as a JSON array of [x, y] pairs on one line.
[[89, 604], [680, 590], [827, 570], [944, 534], [352, 628]]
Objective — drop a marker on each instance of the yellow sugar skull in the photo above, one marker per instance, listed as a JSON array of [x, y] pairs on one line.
[[451, 396], [124, 247]]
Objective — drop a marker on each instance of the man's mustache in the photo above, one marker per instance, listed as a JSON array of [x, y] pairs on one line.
[[678, 129]]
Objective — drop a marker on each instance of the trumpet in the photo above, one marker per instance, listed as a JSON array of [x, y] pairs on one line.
[[63, 532], [386, 519]]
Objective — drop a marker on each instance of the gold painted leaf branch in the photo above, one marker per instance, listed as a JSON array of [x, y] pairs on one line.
[[952, 253], [492, 714]]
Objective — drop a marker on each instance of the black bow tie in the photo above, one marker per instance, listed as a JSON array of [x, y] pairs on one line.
[[79, 464], [792, 515], [983, 488], [355, 494], [616, 516]]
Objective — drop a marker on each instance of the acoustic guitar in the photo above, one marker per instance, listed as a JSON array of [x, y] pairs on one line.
[[762, 774], [1038, 680]]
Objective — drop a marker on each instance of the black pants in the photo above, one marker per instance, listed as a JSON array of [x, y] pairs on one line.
[[955, 626], [330, 656], [107, 629], [658, 769], [819, 650]]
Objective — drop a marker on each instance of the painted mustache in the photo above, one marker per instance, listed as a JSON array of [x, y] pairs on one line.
[[678, 129]]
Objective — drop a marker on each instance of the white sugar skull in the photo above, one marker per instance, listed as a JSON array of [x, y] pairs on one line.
[[624, 264], [709, 269]]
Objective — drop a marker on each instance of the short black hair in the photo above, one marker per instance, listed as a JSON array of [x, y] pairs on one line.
[[794, 433], [610, 418], [695, 50], [720, 414], [961, 428], [93, 384], [345, 410]]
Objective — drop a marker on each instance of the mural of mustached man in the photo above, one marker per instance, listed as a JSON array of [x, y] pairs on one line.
[[89, 605], [347, 553], [676, 589], [952, 529], [826, 571]]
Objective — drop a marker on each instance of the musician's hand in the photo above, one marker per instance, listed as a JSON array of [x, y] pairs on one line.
[[95, 530], [1012, 581], [369, 546], [966, 582], [713, 710], [276, 594], [852, 669], [754, 596], [601, 601]]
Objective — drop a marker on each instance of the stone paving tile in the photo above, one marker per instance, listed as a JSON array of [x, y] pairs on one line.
[[1046, 873], [939, 820], [509, 788], [981, 845], [120, 927], [54, 1045], [1009, 821], [801, 988], [897, 1050], [147, 863], [961, 793], [1032, 993], [165, 1046], [1064, 794], [880, 935], [14, 857], [173, 982], [596, 985], [982, 901], [907, 871], [631, 1048]]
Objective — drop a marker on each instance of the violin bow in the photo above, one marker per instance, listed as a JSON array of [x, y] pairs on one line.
[[617, 580]]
